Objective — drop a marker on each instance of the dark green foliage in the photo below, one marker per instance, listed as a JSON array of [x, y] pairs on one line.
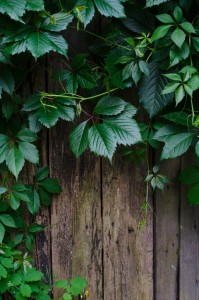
[[151, 46]]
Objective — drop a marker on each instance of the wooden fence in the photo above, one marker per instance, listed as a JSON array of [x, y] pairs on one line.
[[94, 222]]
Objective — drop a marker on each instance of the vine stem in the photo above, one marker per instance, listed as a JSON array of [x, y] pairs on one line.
[[76, 97], [192, 109]]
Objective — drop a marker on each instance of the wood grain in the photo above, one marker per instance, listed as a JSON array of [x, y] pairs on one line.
[[167, 234], [128, 250], [189, 245]]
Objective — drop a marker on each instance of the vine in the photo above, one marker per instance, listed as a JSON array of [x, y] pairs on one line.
[[151, 46]]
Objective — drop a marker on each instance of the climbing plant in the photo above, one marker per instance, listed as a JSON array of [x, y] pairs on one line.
[[150, 46]]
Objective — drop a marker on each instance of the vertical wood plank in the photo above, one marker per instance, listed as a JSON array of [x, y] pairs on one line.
[[167, 234], [76, 213], [42, 252], [87, 224], [189, 245], [62, 166], [128, 250]]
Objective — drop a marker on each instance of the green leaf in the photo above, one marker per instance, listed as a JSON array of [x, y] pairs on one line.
[[190, 175], [32, 103], [61, 283], [85, 79], [3, 139], [111, 8], [18, 239], [7, 220], [35, 5], [165, 18], [125, 129], [14, 202], [144, 67], [21, 196], [7, 83], [160, 32], [3, 190], [45, 197], [179, 94], [197, 149], [170, 88], [109, 105], [150, 91], [13, 8], [34, 124], [179, 117], [176, 145], [29, 152], [57, 22], [178, 13], [194, 83], [42, 173], [4, 152], [167, 131], [33, 275], [195, 41], [34, 227], [78, 285], [177, 54], [188, 27], [29, 242], [178, 37], [150, 3], [15, 279], [7, 262], [136, 74], [71, 80], [58, 43], [25, 290], [26, 135], [79, 138], [193, 194], [188, 90], [173, 76], [87, 11], [102, 140], [65, 112], [34, 203], [15, 161], [51, 185], [2, 233], [129, 110], [67, 296], [3, 272], [40, 43], [19, 187], [48, 117]]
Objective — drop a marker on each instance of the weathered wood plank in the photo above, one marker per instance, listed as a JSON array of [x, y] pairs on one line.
[[42, 256], [167, 234], [128, 250], [76, 214], [87, 224], [189, 245], [62, 165]]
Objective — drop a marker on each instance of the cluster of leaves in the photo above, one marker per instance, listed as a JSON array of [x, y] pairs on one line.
[[40, 192], [19, 278], [75, 287]]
